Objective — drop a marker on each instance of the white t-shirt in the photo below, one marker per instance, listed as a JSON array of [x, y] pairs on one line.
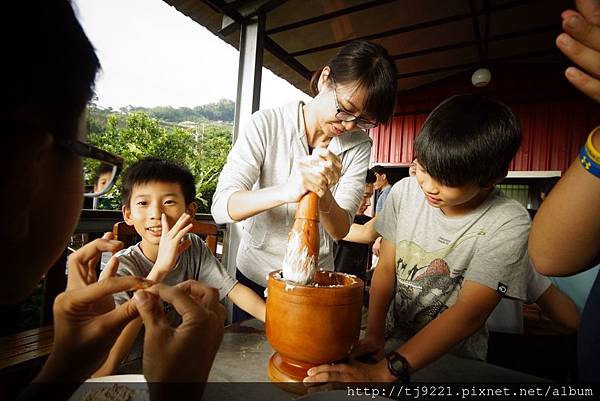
[[263, 157]]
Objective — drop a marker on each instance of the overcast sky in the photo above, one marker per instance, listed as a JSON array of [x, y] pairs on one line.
[[152, 55]]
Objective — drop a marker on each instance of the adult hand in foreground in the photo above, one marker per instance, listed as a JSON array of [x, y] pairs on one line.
[[581, 43], [81, 267], [184, 353], [84, 331], [82, 263]]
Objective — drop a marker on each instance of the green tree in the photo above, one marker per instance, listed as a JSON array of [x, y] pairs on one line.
[[137, 135], [213, 146]]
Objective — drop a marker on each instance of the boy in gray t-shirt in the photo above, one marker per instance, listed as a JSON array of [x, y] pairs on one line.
[[435, 254], [452, 244], [158, 200]]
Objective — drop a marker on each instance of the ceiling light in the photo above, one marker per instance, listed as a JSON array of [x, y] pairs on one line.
[[481, 77]]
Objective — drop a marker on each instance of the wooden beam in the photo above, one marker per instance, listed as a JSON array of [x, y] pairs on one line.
[[271, 5], [432, 50], [477, 63], [486, 33], [265, 8], [328, 16], [269, 44], [468, 43], [415, 27], [281, 54], [438, 70], [476, 31]]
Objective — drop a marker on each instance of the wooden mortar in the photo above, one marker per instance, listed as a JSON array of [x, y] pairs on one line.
[[311, 325]]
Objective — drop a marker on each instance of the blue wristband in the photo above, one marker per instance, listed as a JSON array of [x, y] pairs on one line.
[[588, 163]]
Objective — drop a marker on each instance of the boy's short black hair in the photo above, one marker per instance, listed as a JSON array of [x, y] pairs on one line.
[[103, 168], [370, 178], [468, 139], [378, 170], [154, 169]]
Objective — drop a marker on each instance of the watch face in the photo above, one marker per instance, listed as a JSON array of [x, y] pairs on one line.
[[398, 365]]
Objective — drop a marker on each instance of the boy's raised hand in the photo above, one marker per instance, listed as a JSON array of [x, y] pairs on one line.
[[171, 245]]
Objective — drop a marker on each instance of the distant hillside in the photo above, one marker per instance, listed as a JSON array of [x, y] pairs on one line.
[[223, 110]]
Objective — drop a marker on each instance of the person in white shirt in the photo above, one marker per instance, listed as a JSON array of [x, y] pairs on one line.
[[320, 146]]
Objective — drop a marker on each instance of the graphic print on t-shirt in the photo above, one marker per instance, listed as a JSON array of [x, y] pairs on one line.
[[426, 284]]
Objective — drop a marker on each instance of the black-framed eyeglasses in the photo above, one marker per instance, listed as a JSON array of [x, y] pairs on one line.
[[100, 168], [346, 116]]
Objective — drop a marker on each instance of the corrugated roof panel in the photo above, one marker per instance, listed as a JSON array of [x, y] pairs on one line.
[[555, 118]]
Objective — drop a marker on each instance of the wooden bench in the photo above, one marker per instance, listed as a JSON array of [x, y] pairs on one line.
[[208, 231], [22, 355], [25, 349]]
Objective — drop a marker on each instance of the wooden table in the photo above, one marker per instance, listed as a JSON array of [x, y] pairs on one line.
[[245, 352], [239, 371]]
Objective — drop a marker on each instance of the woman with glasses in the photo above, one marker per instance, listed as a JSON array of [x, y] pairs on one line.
[[321, 146]]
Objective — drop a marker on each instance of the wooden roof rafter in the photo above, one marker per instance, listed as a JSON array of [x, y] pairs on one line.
[[505, 36], [328, 16], [418, 26], [300, 36], [270, 45], [546, 52]]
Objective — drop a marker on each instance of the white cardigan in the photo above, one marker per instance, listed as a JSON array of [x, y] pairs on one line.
[[262, 157]]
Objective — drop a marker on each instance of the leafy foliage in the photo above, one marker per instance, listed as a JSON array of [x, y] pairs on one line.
[[203, 148]]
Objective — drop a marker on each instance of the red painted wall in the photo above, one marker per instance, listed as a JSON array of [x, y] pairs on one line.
[[555, 117]]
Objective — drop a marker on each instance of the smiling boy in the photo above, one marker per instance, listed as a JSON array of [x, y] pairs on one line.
[[158, 200], [452, 246]]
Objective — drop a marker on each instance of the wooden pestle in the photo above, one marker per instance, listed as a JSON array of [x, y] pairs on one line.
[[305, 231], [307, 222]]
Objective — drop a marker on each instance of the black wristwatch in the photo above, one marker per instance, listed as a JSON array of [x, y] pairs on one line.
[[398, 366]]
